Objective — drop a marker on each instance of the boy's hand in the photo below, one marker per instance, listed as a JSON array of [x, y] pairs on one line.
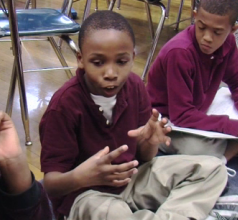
[[9, 143], [99, 171], [13, 166], [154, 132], [150, 136]]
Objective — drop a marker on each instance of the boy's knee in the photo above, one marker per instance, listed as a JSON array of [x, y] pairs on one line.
[[98, 206], [190, 144]]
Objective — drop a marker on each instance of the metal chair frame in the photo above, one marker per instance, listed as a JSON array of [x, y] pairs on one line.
[[17, 71], [168, 10], [154, 34]]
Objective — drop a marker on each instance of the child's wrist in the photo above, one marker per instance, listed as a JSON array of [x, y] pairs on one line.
[[12, 163], [78, 180], [16, 174]]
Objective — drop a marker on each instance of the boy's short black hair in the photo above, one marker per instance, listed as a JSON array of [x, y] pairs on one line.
[[105, 20], [221, 7]]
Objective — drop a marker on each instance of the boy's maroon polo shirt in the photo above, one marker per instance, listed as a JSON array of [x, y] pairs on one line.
[[73, 129], [183, 81]]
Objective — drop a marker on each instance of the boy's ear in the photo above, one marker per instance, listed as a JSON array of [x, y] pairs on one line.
[[134, 54], [80, 60], [195, 13], [234, 28]]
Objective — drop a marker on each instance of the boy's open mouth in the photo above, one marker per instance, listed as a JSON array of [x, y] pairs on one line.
[[110, 88]]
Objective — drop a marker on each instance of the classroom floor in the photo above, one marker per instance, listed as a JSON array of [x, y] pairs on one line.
[[40, 86]]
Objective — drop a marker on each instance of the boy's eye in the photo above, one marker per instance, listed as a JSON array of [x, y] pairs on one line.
[[97, 62], [122, 62], [201, 28], [217, 33]]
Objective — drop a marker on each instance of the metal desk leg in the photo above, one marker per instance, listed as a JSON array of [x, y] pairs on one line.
[[193, 7], [118, 4], [23, 102], [32, 2], [167, 9], [179, 15], [60, 56], [147, 8], [66, 9], [155, 41], [87, 9], [18, 71], [96, 8], [11, 91], [111, 6]]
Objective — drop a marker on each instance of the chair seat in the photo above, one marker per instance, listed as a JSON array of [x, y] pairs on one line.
[[41, 21]]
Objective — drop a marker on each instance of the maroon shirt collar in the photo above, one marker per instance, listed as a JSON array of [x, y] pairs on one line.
[[122, 97]]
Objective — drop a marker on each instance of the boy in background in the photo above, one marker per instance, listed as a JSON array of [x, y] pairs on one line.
[[21, 197], [99, 138], [186, 75]]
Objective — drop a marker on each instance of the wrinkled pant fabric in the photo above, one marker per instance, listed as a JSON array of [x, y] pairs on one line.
[[177, 187]]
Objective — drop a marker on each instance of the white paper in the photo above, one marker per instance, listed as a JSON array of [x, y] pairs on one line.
[[221, 105], [210, 134]]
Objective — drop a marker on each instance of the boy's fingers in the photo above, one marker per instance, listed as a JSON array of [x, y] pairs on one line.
[[163, 122], [114, 154], [4, 116], [119, 183], [135, 132], [167, 130], [124, 175], [124, 167], [168, 142], [1, 115], [102, 152], [155, 115]]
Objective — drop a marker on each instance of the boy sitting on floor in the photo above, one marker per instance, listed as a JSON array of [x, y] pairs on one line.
[[99, 127], [186, 75]]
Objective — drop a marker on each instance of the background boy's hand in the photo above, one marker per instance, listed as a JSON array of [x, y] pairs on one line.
[[9, 143], [99, 171]]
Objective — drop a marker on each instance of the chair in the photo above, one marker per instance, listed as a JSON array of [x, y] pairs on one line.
[[167, 9], [110, 5], [155, 35], [33, 22]]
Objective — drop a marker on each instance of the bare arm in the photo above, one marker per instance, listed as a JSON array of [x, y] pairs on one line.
[[95, 171]]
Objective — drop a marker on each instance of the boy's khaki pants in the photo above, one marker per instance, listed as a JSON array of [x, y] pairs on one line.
[[175, 187], [190, 144]]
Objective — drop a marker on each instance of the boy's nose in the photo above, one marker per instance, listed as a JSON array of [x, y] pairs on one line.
[[207, 36], [110, 73]]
